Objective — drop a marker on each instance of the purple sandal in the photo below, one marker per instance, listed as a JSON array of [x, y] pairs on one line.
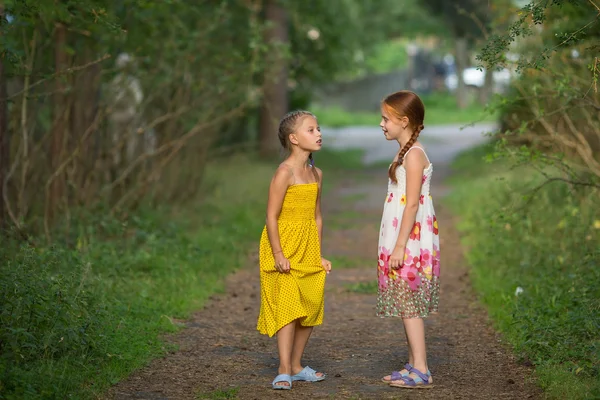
[[420, 382], [396, 375]]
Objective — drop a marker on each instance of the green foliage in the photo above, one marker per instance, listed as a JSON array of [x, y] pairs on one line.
[[387, 57], [352, 36], [75, 320], [564, 23], [440, 109], [464, 18], [546, 245]]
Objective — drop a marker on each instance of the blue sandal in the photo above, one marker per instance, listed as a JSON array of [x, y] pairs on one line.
[[309, 375], [420, 382], [397, 375], [282, 378]]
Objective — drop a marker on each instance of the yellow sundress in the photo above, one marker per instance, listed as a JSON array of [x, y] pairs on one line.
[[298, 294]]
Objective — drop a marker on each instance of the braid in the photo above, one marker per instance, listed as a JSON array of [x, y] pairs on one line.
[[287, 125], [405, 148]]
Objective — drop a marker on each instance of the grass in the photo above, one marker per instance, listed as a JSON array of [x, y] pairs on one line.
[[549, 250], [440, 110], [363, 287], [345, 262], [81, 318]]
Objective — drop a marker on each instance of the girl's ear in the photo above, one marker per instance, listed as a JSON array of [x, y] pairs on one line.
[[293, 139], [405, 122]]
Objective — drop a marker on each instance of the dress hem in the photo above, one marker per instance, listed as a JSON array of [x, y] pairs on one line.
[[430, 313], [266, 332]]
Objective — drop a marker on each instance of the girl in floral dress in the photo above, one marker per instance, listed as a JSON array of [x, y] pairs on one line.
[[409, 248]]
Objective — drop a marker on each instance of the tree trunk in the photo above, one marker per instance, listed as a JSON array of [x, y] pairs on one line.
[[486, 91], [275, 92], [461, 58], [60, 116], [83, 113], [4, 141]]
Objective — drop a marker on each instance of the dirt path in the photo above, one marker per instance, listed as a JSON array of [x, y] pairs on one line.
[[222, 356]]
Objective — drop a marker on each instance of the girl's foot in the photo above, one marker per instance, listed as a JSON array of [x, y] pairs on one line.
[[282, 382], [309, 375], [397, 375], [415, 380]]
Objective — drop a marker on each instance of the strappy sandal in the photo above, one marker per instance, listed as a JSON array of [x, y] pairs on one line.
[[420, 382], [282, 378], [397, 375], [309, 375]]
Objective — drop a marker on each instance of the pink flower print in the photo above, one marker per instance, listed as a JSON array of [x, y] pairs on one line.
[[383, 267], [422, 199], [423, 179], [390, 197], [430, 223], [415, 262], [416, 231], [425, 258], [436, 261], [435, 226], [395, 223], [411, 276], [426, 263], [407, 257]]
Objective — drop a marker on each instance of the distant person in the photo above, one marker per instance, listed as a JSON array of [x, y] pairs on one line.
[[409, 246], [292, 271]]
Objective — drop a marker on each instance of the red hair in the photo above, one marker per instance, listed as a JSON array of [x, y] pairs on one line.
[[405, 104]]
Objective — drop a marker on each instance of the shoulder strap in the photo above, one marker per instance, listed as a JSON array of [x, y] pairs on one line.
[[420, 148]]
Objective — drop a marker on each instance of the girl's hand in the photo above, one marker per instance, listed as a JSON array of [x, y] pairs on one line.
[[326, 264], [282, 264], [397, 257]]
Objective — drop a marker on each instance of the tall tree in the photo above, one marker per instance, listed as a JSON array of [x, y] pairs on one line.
[[60, 115], [466, 21], [4, 143], [275, 89]]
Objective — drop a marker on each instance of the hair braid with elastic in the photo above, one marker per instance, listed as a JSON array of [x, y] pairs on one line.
[[405, 148]]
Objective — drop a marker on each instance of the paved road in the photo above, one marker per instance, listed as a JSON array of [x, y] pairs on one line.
[[443, 142]]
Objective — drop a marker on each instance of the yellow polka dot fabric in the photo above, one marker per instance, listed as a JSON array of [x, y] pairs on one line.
[[298, 294]]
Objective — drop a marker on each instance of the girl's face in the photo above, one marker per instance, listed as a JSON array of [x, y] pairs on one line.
[[392, 127], [307, 135]]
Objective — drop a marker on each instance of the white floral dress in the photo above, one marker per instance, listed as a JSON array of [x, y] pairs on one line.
[[413, 290]]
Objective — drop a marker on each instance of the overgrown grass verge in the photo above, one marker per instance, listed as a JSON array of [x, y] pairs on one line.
[[535, 267], [440, 110], [80, 315], [77, 320]]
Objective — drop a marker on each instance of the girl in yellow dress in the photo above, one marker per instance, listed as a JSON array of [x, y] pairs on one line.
[[292, 271]]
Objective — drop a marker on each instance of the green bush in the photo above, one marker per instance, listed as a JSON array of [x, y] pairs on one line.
[[46, 316], [534, 261], [82, 314]]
